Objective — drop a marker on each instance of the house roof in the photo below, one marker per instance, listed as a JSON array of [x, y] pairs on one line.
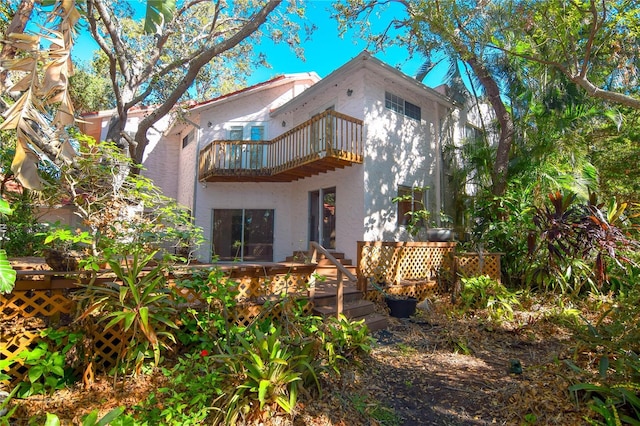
[[180, 124], [364, 60], [276, 81]]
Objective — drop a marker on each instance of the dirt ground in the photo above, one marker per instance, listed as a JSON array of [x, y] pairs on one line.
[[432, 369], [459, 373], [451, 370]]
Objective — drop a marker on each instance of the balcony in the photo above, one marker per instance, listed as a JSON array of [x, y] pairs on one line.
[[326, 142]]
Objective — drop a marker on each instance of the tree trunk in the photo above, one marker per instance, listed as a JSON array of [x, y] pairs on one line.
[[500, 166], [17, 25]]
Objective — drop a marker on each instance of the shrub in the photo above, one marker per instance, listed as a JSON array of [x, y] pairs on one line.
[[614, 339], [575, 242], [141, 308], [485, 293]]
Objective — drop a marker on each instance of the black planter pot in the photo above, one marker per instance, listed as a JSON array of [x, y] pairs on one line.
[[440, 234], [401, 308]]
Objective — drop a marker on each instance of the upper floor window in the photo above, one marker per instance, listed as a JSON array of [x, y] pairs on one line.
[[257, 133], [236, 133], [399, 105], [473, 132], [187, 139]]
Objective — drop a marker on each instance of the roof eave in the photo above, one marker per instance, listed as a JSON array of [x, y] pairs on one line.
[[365, 60]]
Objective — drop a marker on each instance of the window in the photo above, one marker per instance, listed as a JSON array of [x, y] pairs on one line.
[[243, 234], [236, 133], [399, 105], [472, 132], [257, 133], [187, 139], [235, 150], [256, 151], [412, 111], [409, 200]]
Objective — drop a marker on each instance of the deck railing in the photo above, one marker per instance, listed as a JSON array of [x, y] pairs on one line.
[[392, 263], [329, 134], [341, 271], [44, 298]]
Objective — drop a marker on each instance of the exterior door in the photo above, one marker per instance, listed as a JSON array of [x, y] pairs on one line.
[[322, 217], [243, 234]]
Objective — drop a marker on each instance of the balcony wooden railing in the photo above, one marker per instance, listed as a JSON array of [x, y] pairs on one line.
[[325, 142]]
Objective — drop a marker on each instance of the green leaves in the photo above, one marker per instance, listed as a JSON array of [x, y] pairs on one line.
[[5, 208], [7, 274], [141, 306], [46, 370], [158, 13]]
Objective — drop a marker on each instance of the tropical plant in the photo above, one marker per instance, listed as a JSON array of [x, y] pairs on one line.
[[343, 341], [43, 111], [264, 376], [418, 215], [115, 417], [578, 239], [139, 305], [120, 212], [47, 371], [209, 319], [22, 237], [194, 385], [485, 293], [614, 391], [7, 273]]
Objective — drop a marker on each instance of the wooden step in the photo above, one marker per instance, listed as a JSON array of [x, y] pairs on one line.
[[352, 309], [376, 322], [356, 311], [327, 262], [331, 274], [325, 295]]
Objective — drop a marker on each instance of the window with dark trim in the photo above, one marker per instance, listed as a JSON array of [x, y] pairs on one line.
[[409, 200], [187, 139], [243, 234], [399, 105], [236, 133]]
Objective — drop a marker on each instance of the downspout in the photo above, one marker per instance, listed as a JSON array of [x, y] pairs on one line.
[[438, 174], [195, 176]]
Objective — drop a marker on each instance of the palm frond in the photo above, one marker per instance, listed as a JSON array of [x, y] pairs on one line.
[[38, 134]]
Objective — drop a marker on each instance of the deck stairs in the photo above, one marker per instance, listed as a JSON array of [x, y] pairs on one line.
[[355, 307]]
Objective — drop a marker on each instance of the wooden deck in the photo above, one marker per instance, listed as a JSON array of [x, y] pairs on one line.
[[326, 142]]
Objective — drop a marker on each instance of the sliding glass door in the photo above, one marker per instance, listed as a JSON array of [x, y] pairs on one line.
[[322, 217], [243, 234]]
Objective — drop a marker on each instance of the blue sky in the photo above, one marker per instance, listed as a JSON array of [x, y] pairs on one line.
[[324, 52]]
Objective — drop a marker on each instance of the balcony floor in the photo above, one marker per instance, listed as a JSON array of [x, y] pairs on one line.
[[288, 174]]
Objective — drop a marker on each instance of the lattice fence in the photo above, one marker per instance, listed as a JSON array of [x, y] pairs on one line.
[[409, 268], [476, 264], [418, 269], [35, 303], [54, 307]]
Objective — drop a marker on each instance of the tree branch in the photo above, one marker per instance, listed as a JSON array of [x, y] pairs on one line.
[[195, 65]]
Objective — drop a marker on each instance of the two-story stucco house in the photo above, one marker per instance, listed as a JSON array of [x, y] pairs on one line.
[[297, 158]]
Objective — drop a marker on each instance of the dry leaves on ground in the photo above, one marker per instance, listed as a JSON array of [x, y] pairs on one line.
[[433, 369]]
